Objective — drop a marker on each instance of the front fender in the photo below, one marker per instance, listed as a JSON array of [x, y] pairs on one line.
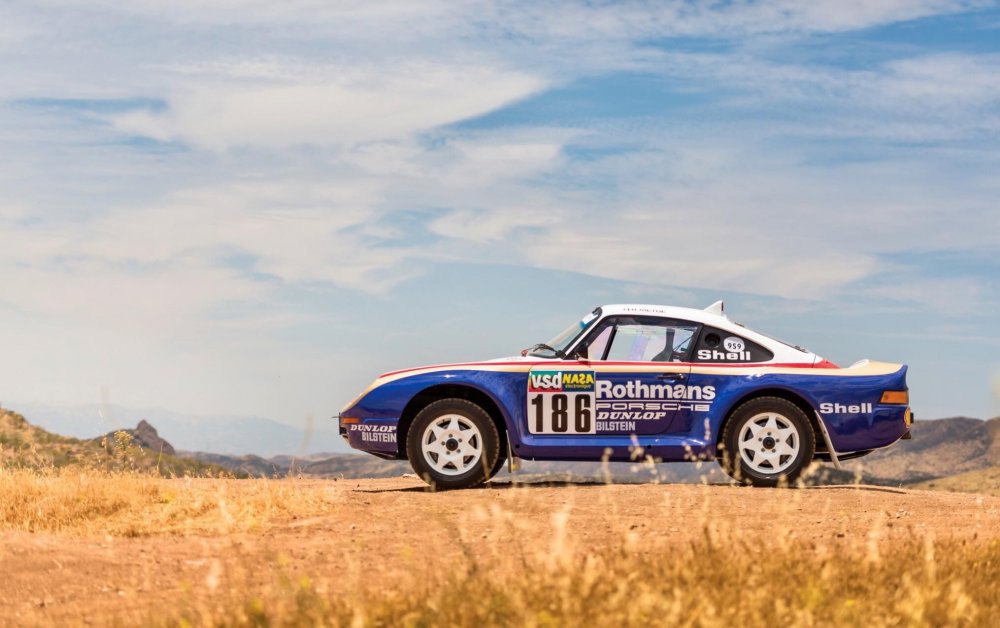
[[385, 404]]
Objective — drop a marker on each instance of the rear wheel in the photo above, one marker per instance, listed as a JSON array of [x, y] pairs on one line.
[[453, 443], [767, 441]]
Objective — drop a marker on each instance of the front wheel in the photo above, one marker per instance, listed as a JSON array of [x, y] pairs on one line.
[[767, 441], [453, 443]]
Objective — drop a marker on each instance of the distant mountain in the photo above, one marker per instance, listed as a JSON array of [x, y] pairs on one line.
[[953, 454], [254, 466], [26, 446], [357, 465], [980, 481], [939, 448], [350, 466], [145, 435], [224, 434]]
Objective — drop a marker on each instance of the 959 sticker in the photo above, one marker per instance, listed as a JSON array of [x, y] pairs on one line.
[[561, 402]]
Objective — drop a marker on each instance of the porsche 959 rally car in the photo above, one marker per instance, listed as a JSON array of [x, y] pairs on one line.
[[632, 381]]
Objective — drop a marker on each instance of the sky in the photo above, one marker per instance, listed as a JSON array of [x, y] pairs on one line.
[[255, 207]]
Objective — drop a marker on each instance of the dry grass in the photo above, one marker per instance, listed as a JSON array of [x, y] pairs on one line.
[[81, 502], [541, 575], [704, 584]]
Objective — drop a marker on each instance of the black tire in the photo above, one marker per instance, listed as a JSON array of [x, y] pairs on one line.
[[485, 434], [498, 466], [791, 427]]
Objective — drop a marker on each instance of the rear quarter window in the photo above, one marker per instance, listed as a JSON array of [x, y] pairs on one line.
[[716, 345]]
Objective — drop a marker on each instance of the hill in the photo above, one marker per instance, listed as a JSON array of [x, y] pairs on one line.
[[23, 445], [985, 481], [961, 447], [939, 448], [233, 435]]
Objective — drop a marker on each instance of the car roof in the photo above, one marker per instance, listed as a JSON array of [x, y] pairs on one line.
[[710, 316], [669, 311]]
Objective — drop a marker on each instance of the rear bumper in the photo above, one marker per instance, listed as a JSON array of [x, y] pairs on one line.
[[870, 429], [908, 418]]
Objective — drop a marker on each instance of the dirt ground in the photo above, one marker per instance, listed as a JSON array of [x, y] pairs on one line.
[[379, 531]]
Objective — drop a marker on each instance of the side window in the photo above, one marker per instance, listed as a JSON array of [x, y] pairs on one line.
[[716, 345], [640, 339]]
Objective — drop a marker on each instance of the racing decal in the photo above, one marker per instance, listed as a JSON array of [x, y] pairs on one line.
[[840, 408], [716, 345], [374, 433], [713, 355], [635, 407], [734, 350], [561, 402], [733, 344], [576, 402]]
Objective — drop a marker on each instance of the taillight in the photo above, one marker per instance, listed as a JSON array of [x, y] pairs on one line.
[[901, 397]]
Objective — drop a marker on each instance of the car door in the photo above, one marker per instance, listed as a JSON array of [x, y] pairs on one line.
[[631, 380]]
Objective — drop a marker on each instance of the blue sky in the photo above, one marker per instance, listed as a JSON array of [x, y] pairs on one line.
[[255, 207]]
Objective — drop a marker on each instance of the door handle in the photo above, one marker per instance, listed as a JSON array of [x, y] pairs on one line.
[[673, 377]]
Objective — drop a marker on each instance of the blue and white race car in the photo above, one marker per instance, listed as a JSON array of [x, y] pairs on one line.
[[635, 381]]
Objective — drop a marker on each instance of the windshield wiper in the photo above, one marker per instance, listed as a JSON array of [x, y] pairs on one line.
[[558, 352]]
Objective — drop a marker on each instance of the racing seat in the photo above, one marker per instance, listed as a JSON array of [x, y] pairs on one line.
[[667, 355]]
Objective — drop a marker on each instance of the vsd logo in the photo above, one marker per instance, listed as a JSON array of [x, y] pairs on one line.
[[545, 381], [561, 381]]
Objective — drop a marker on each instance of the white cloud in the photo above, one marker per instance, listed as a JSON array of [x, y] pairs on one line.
[[942, 81], [348, 17], [315, 145], [13, 29], [294, 231], [494, 225], [546, 18], [948, 295], [926, 86], [352, 106], [685, 247]]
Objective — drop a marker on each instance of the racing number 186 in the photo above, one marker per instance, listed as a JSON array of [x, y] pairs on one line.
[[582, 415]]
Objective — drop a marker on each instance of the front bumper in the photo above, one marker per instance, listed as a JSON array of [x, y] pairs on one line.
[[374, 436]]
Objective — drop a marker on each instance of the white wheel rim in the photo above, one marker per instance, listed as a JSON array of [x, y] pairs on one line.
[[452, 444], [769, 443]]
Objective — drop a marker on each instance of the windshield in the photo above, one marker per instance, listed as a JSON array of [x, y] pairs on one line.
[[556, 348]]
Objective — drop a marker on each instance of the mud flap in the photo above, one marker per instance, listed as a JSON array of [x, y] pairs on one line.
[[513, 462], [829, 443]]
